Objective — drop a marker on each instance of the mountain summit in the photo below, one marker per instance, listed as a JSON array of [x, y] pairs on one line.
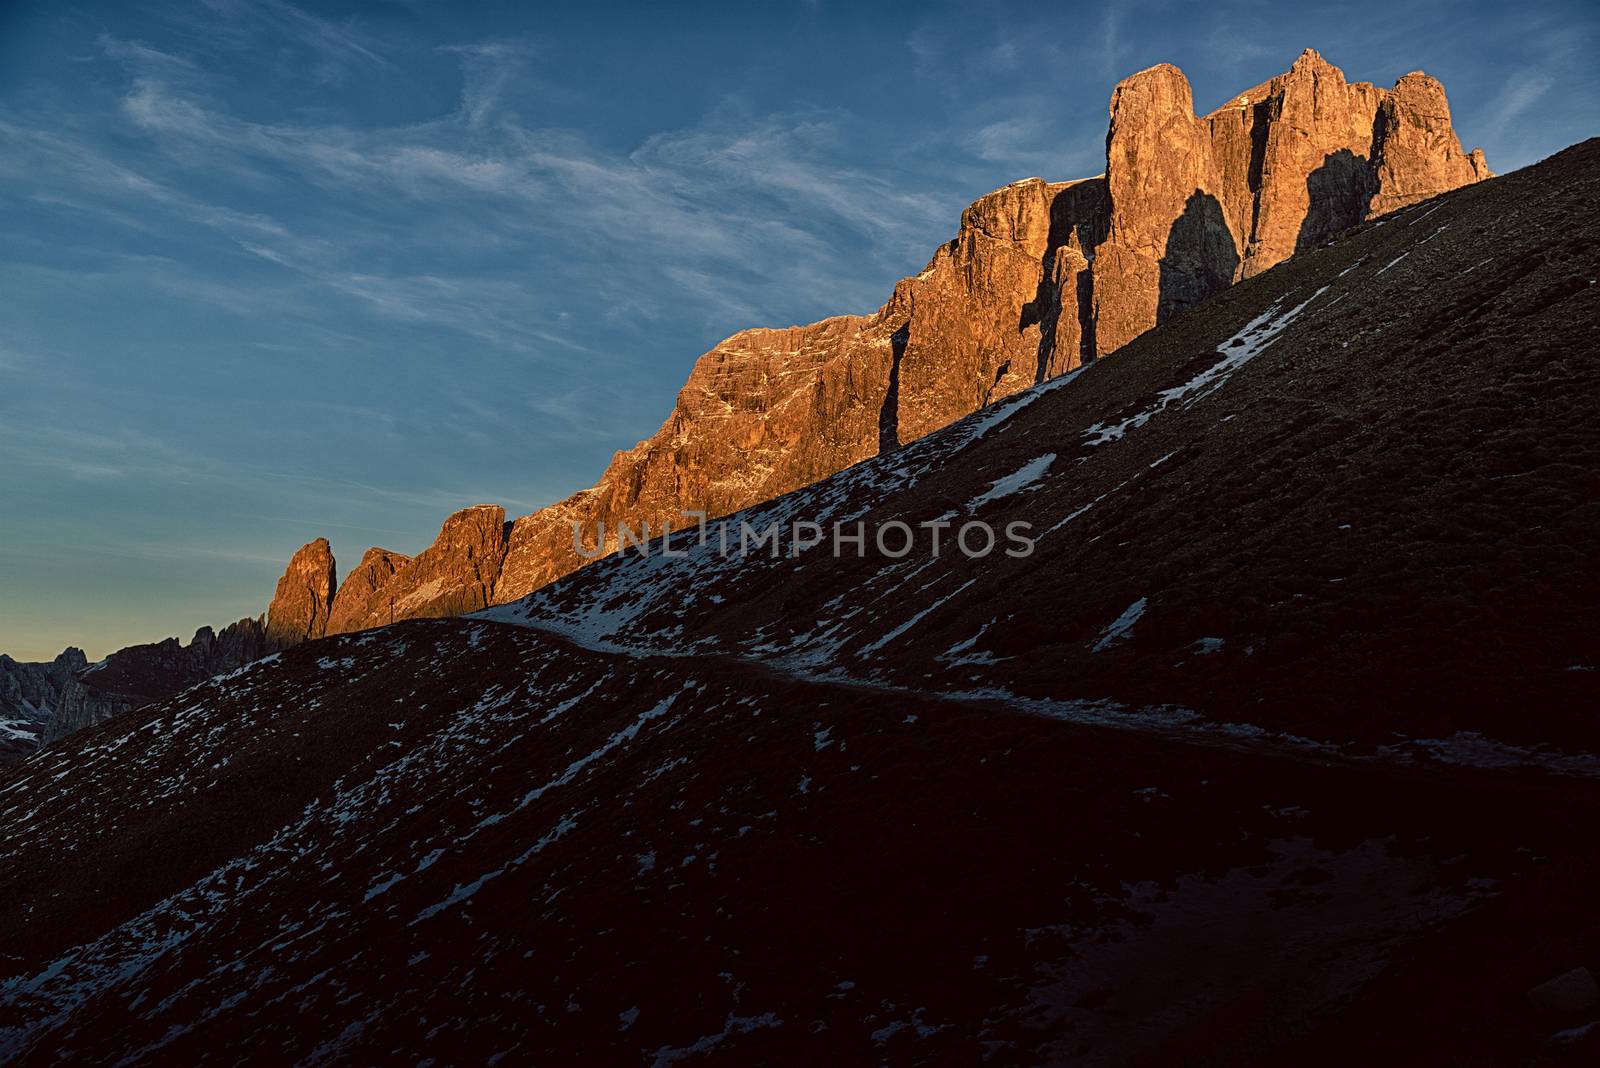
[[1279, 748], [1040, 278]]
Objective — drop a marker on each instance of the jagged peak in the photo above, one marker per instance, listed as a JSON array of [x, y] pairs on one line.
[[1157, 81], [1310, 57], [300, 605], [1080, 273], [1153, 71], [471, 515]]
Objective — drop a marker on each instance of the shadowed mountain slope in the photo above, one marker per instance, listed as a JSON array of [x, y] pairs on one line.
[[1360, 486], [133, 677], [1188, 784]]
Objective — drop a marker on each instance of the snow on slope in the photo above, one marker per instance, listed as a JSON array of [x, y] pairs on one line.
[[723, 819], [617, 593], [637, 859], [1259, 440]]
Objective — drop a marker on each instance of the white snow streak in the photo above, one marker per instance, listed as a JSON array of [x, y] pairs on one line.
[[1237, 351], [1123, 626], [1020, 479]]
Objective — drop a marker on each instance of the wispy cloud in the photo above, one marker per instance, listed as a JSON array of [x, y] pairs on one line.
[[338, 45], [736, 193], [487, 70], [137, 56], [1111, 46], [1521, 91], [112, 455]]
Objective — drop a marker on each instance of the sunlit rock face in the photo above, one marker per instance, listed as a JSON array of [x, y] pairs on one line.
[[364, 599], [300, 605], [1199, 203], [1040, 277], [453, 576]]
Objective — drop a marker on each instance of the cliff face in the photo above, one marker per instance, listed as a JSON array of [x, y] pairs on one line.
[[133, 677], [769, 411], [1040, 277], [29, 696], [1415, 148], [453, 576], [364, 599], [1199, 203], [300, 605]]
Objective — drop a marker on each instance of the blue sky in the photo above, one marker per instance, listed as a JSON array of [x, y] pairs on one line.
[[274, 271]]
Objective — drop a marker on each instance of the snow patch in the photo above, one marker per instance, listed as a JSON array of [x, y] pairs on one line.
[[1123, 625], [1022, 478], [1237, 351], [1394, 261]]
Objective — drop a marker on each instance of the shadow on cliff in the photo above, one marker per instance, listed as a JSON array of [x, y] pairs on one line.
[[889, 414], [1340, 192], [1201, 257], [1079, 217]]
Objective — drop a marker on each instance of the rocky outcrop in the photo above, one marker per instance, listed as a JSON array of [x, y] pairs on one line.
[[29, 696], [364, 599], [1199, 203], [300, 606], [995, 311], [1040, 277], [30, 690], [133, 677], [1168, 244], [764, 412], [454, 575], [1415, 148], [768, 411]]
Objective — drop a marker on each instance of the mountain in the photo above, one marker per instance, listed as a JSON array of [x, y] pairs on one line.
[[1278, 747], [1040, 278], [138, 675], [29, 694], [304, 597], [1205, 529], [133, 677]]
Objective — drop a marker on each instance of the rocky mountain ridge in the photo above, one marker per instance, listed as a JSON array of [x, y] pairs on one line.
[[1280, 748], [134, 677], [1041, 278], [29, 696]]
